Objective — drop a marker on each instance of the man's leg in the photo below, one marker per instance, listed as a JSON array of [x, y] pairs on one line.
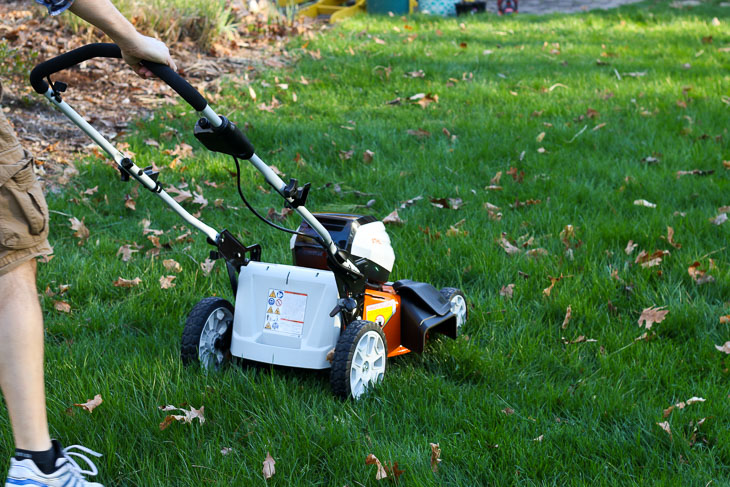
[[21, 357]]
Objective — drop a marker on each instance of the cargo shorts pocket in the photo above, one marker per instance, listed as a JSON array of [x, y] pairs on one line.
[[23, 208]]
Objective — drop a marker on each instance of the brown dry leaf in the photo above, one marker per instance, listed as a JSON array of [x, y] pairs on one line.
[[507, 291], [670, 238], [373, 460], [435, 456], [553, 281], [62, 306], [539, 438], [665, 426], [699, 276], [91, 191], [644, 203], [172, 265], [420, 133], [719, 219], [268, 469], [540, 137], [166, 282], [80, 230], [182, 194], [393, 218], [91, 404], [725, 319], [279, 216], [367, 156], [508, 411], [447, 203], [129, 202], [630, 247], [251, 93], [568, 316], [427, 100], [538, 252], [650, 260], [493, 211], [126, 252], [346, 155], [695, 172], [121, 282], [207, 266], [186, 417], [652, 315], [508, 247], [667, 412], [724, 347]]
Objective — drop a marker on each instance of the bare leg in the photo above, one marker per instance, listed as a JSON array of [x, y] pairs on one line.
[[21, 357]]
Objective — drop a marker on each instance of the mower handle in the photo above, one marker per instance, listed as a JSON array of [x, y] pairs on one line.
[[90, 51]]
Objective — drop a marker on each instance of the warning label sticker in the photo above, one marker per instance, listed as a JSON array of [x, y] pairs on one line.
[[285, 312]]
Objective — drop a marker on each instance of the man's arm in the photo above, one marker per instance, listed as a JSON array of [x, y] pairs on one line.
[[104, 15]]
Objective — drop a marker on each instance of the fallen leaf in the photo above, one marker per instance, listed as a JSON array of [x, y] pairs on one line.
[[393, 219], [508, 247], [507, 291], [186, 417], [226, 450], [650, 260], [508, 411], [166, 282], [652, 315], [126, 252], [121, 282], [172, 265], [539, 438], [630, 247], [670, 238], [80, 230], [62, 306], [540, 136], [725, 319], [447, 203], [182, 194], [553, 281], [368, 156], [665, 426], [91, 191], [268, 469], [724, 347], [699, 276], [420, 133], [207, 266], [91, 404], [667, 412], [435, 456], [568, 315], [373, 460], [719, 220], [644, 203]]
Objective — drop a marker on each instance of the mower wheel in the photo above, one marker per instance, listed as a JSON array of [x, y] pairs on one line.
[[360, 359], [457, 301], [206, 338]]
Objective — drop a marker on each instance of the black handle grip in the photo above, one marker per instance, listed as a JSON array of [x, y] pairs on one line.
[[90, 51], [71, 58]]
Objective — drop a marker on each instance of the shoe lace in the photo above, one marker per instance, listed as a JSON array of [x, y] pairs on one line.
[[75, 468]]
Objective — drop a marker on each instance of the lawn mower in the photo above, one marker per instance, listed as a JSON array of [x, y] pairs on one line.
[[333, 308]]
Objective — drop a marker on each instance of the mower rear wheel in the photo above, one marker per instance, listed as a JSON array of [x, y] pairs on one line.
[[457, 301], [360, 359], [206, 338]]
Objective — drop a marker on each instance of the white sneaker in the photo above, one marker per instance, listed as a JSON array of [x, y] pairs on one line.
[[67, 474]]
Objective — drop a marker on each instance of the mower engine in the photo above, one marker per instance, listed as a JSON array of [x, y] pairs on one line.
[[363, 238]]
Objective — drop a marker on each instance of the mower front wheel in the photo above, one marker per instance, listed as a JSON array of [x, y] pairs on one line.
[[457, 302], [360, 359], [206, 338]]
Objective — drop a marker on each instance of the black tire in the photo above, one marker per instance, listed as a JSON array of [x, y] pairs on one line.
[[459, 306], [349, 350], [217, 340]]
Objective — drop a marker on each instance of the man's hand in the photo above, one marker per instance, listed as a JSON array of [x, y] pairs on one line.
[[135, 46], [143, 48]]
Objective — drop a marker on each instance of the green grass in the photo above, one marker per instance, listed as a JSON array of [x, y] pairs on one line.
[[595, 404]]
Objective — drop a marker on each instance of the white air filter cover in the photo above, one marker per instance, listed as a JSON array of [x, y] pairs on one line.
[[372, 242]]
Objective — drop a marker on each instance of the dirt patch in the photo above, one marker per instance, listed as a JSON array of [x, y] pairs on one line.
[[105, 91]]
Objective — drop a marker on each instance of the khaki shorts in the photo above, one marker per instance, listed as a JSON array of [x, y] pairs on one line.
[[23, 209]]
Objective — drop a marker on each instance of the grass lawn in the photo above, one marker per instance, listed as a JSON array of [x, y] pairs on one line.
[[582, 115]]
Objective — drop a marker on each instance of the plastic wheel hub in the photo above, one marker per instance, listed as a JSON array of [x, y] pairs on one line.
[[212, 337], [368, 363]]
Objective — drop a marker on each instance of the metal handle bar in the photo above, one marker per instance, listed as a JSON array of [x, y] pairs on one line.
[[90, 51]]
